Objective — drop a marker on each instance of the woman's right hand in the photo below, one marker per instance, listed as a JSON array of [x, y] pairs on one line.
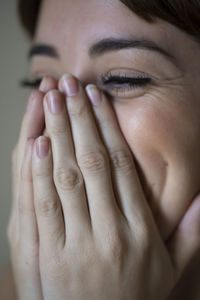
[[22, 233]]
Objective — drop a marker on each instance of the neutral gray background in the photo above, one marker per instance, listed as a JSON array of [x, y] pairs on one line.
[[14, 45]]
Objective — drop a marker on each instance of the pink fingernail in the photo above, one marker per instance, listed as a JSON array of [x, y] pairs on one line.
[[55, 102], [94, 94], [42, 146], [70, 85]]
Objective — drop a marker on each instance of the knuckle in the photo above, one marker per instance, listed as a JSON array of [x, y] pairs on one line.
[[121, 160], [93, 162], [47, 206], [89, 255], [57, 129], [42, 171], [77, 111], [115, 245], [68, 179], [116, 250]]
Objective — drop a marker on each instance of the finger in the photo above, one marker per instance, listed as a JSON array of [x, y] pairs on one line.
[[185, 242], [91, 155], [28, 237], [47, 204], [48, 83], [127, 187], [27, 218], [67, 175], [33, 121], [32, 127]]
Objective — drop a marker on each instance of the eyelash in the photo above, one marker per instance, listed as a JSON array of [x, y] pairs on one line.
[[128, 82]]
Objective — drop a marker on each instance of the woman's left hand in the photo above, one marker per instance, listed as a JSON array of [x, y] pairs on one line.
[[97, 236]]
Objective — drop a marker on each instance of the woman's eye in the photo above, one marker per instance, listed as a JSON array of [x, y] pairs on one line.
[[31, 83], [125, 84], [117, 84]]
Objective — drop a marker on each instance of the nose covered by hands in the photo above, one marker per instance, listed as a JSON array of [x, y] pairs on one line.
[[49, 83]]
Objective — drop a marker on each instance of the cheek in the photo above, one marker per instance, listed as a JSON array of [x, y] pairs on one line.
[[147, 132], [163, 137]]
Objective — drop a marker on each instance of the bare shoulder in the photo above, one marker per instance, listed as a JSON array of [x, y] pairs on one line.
[[7, 287]]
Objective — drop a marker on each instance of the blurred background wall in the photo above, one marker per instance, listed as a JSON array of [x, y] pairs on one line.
[[13, 66]]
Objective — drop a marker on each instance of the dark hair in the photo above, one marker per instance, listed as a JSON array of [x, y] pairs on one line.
[[185, 14]]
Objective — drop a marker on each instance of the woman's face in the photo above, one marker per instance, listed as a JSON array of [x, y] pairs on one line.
[[160, 120]]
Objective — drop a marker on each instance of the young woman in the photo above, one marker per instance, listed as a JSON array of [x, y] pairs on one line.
[[106, 169]]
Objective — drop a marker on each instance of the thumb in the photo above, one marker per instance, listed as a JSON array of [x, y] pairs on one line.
[[185, 242]]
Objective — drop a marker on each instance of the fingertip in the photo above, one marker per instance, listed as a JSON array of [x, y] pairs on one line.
[[62, 81], [48, 83]]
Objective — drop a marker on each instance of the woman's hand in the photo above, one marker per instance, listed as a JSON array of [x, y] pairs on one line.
[[22, 229], [97, 236]]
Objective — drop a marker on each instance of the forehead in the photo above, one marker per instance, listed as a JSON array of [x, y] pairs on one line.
[[81, 21]]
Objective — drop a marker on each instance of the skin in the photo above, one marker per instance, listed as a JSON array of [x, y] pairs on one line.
[[120, 249], [169, 175], [165, 169]]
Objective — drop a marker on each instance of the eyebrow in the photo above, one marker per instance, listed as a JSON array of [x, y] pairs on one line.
[[104, 46], [42, 49]]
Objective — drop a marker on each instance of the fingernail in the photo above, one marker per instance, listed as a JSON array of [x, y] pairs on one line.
[[70, 85], [94, 94], [55, 102], [44, 85], [42, 147]]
